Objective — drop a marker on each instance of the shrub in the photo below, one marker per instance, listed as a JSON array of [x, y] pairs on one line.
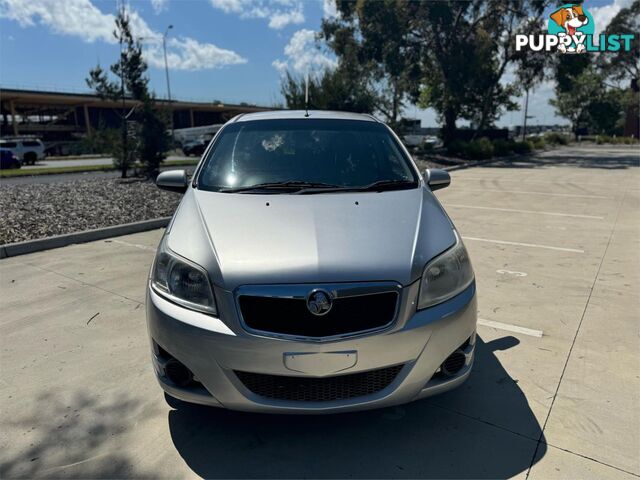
[[538, 143], [502, 147], [554, 138], [522, 147], [457, 148], [426, 147], [480, 149]]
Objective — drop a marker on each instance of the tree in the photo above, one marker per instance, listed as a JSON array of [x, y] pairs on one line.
[[624, 65], [132, 84], [574, 104], [450, 55], [588, 91], [372, 42], [605, 112], [471, 48], [330, 90]]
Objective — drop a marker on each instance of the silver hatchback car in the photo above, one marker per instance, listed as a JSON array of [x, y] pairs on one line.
[[309, 269]]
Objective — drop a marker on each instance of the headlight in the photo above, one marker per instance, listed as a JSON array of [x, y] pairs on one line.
[[445, 276], [182, 282]]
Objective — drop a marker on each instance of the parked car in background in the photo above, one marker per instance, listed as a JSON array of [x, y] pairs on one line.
[[28, 150], [418, 140], [309, 269], [432, 140], [413, 140], [196, 147], [8, 159]]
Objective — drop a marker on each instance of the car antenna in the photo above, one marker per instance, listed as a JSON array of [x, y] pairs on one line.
[[306, 95]]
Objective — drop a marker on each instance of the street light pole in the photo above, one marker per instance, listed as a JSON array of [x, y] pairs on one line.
[[526, 110], [166, 69]]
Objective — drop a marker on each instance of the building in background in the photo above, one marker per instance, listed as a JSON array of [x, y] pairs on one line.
[[62, 119]]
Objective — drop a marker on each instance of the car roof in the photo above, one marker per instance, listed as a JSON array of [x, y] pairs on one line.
[[301, 114]]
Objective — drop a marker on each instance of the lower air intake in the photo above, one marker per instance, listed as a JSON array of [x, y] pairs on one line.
[[305, 389], [454, 363]]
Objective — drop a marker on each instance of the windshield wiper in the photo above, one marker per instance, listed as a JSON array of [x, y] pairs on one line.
[[381, 185], [378, 186], [293, 185]]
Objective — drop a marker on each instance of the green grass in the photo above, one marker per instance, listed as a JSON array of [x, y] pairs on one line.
[[19, 172], [55, 158]]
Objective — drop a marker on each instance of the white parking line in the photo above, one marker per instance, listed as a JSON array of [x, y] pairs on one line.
[[134, 245], [519, 244], [510, 328], [553, 214], [511, 272], [522, 192]]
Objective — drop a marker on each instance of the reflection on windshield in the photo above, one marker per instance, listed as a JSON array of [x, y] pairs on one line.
[[335, 153]]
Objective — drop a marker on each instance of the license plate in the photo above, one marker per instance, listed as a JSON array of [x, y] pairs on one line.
[[320, 363]]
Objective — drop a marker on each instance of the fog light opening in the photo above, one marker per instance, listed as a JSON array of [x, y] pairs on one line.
[[178, 373], [453, 364]]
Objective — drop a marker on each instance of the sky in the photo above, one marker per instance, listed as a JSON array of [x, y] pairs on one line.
[[228, 50]]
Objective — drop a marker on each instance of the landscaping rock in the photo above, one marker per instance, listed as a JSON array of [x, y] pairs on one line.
[[39, 210]]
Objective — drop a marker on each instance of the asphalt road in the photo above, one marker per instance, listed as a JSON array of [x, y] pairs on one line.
[[554, 392], [88, 162]]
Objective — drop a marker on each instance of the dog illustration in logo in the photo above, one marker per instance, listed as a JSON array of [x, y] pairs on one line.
[[570, 18]]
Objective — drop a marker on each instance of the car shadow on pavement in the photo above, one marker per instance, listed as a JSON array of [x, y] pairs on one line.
[[443, 437]]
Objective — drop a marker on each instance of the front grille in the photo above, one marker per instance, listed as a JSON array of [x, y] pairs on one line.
[[305, 389], [290, 316]]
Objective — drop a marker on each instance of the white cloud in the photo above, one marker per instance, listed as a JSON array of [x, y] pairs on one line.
[[329, 9], [603, 15], [303, 54], [159, 5], [72, 17], [184, 53], [80, 18], [280, 13]]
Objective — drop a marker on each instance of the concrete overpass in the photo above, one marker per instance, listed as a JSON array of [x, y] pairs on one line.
[[61, 117]]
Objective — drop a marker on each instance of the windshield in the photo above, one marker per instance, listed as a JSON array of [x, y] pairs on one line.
[[304, 153]]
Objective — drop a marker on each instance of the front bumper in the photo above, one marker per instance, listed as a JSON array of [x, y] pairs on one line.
[[213, 350]]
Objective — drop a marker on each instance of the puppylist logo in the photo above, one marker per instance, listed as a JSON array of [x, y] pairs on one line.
[[571, 30]]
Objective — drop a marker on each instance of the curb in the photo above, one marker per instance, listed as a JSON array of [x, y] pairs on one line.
[[31, 246]]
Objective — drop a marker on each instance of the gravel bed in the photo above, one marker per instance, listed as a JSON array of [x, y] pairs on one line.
[[38, 210], [435, 161]]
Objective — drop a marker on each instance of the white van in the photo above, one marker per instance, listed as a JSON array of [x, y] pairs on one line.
[[28, 150]]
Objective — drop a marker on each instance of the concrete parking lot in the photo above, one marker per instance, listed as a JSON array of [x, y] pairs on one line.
[[554, 393]]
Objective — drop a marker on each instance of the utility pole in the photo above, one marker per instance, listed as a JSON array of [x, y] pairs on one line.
[[526, 109], [166, 69]]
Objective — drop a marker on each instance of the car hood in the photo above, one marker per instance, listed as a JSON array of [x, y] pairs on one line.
[[246, 239]]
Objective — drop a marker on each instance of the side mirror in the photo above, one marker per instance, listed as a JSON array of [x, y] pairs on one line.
[[437, 178], [173, 180]]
